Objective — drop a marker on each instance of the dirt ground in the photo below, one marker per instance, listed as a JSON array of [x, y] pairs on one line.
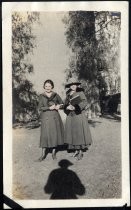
[[99, 171]]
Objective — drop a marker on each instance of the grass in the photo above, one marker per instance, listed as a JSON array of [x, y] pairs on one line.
[[99, 170]]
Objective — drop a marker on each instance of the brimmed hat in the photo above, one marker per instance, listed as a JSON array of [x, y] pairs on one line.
[[65, 163], [72, 81]]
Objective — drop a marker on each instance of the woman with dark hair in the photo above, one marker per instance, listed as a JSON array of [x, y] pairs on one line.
[[52, 130], [77, 132]]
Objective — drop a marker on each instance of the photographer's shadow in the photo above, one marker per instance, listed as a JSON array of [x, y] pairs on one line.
[[64, 183]]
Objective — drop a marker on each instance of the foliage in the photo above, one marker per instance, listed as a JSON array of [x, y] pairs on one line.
[[108, 25], [23, 42], [94, 39], [79, 33]]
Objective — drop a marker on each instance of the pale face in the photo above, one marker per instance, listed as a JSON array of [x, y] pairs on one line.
[[48, 87], [73, 87]]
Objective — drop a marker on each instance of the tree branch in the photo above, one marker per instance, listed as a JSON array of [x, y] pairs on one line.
[[104, 26]]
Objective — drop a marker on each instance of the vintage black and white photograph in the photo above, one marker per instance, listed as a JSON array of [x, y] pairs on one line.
[[65, 102]]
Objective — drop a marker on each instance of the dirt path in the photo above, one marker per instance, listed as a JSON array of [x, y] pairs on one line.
[[99, 170]]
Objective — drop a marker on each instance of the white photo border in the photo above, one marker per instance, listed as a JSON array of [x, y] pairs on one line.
[[7, 9]]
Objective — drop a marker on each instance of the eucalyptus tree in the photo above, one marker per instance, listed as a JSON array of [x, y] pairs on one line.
[[23, 42], [94, 38]]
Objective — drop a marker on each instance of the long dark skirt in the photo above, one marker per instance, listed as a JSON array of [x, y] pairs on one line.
[[52, 129], [77, 132]]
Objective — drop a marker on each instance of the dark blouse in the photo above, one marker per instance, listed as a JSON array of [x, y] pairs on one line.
[[45, 102], [78, 107]]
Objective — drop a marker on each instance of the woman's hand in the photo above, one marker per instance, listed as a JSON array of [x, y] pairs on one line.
[[70, 107], [57, 107], [52, 107]]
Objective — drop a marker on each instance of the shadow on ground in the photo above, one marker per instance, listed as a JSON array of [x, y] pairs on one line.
[[112, 117], [93, 122], [63, 183], [29, 125]]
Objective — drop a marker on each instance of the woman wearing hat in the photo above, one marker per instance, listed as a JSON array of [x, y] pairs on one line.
[[52, 130], [77, 132]]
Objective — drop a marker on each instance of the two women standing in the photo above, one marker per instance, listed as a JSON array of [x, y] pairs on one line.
[[77, 133]]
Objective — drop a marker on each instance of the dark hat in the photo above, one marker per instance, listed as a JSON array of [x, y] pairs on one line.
[[65, 163], [72, 81]]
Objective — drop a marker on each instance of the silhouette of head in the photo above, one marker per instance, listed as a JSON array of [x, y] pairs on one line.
[[65, 163]]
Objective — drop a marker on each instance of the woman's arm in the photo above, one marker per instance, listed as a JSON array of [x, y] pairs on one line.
[[66, 104], [40, 105], [60, 102], [83, 102]]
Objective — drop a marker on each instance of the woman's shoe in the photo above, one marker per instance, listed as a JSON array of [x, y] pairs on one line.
[[42, 158], [54, 155], [79, 156], [75, 154]]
